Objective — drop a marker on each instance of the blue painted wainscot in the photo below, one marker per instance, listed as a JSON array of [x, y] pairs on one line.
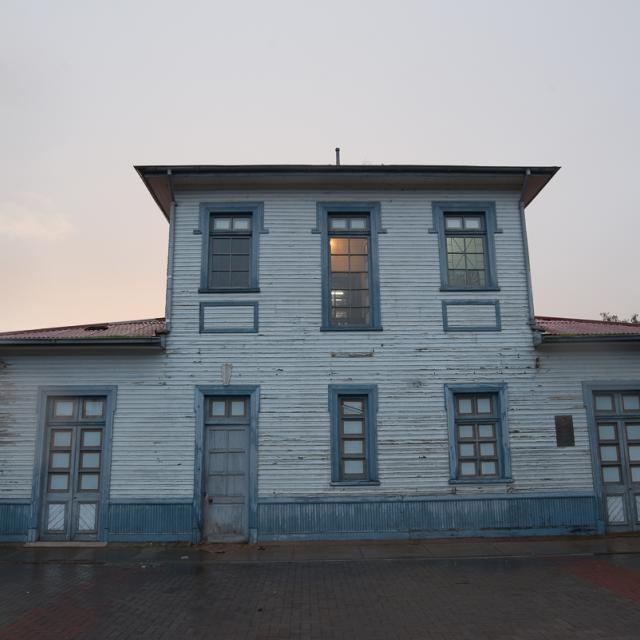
[[14, 520], [427, 516]]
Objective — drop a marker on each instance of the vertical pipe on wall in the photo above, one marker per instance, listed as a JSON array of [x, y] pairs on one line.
[[170, 255], [525, 249]]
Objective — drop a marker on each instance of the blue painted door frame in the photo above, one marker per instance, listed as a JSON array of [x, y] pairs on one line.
[[202, 392]]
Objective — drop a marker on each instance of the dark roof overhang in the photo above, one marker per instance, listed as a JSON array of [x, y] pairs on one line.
[[162, 180]]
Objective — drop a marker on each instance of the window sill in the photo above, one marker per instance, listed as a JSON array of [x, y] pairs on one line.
[[339, 329], [250, 290], [356, 483], [481, 481], [469, 289]]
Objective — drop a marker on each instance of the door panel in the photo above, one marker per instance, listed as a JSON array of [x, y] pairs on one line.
[[618, 452], [226, 470], [72, 481]]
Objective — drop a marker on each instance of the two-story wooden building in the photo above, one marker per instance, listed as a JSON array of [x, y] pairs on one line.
[[347, 352]]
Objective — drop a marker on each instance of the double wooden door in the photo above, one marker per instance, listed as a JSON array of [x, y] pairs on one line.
[[72, 481], [617, 418]]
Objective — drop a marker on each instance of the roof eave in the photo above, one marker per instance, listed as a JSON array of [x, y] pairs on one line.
[[576, 339], [154, 343], [157, 177]]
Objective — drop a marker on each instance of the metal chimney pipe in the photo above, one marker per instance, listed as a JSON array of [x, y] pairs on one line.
[[337, 156]]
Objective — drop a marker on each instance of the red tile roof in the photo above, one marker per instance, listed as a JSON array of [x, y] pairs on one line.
[[578, 327], [136, 329], [129, 329]]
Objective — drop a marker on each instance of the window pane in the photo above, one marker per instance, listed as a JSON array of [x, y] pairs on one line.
[[475, 261], [58, 481], [62, 439], [473, 223], [237, 407], [631, 402], [63, 408], [241, 224], [465, 405], [220, 262], [87, 517], [359, 246], [89, 481], [609, 454], [220, 246], [634, 453], [352, 427], [466, 431], [359, 263], [467, 468], [354, 467], [633, 431], [484, 405], [220, 279], [239, 278], [604, 403], [217, 408], [240, 263], [452, 222], [635, 474], [338, 223], [91, 438], [339, 263], [339, 245], [607, 431], [486, 431], [60, 460], [240, 246], [488, 468], [221, 224], [488, 449], [90, 460], [611, 474], [467, 450], [352, 407], [93, 408], [353, 447], [359, 224], [55, 517]]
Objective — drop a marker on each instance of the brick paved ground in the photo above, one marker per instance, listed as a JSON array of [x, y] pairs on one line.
[[145, 595]]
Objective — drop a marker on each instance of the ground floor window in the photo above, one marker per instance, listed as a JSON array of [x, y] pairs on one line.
[[478, 433], [353, 410]]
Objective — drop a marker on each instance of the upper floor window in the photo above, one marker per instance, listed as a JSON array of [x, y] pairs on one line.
[[350, 297], [478, 433], [230, 246], [467, 250]]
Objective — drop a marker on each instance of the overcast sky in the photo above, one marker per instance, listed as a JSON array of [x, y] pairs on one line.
[[89, 88]]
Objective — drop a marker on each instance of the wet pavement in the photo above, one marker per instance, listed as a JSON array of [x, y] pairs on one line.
[[587, 588]]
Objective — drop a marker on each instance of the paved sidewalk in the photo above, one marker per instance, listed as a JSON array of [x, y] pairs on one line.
[[588, 589], [321, 551]]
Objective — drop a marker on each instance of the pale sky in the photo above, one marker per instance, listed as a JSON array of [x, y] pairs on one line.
[[90, 88]]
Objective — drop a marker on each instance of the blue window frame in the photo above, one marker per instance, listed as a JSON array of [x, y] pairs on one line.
[[478, 433], [230, 246], [350, 281], [466, 244], [353, 411]]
